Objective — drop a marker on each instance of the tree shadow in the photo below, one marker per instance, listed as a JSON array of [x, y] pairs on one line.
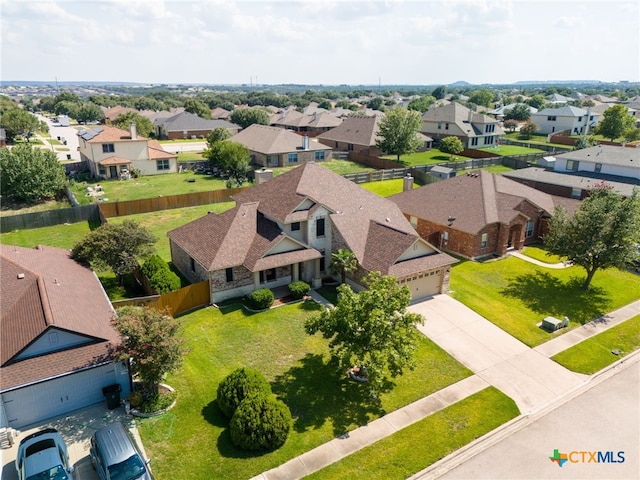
[[212, 414], [547, 295], [318, 392]]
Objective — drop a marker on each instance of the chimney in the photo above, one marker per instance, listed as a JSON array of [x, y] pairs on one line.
[[305, 142], [263, 175], [133, 131], [407, 183], [470, 115]]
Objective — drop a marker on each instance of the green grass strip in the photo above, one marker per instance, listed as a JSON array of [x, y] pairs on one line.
[[427, 441], [595, 353]]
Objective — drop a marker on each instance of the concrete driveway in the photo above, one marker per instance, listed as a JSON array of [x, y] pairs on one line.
[[531, 379], [76, 428]]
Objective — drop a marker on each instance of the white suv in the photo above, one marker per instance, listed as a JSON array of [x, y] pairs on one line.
[[43, 455]]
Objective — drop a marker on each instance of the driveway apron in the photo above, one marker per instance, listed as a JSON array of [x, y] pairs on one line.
[[531, 379]]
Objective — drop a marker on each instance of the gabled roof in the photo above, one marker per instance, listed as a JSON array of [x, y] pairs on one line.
[[273, 140], [356, 129], [473, 201], [456, 113], [566, 111], [44, 289], [185, 121], [107, 133]]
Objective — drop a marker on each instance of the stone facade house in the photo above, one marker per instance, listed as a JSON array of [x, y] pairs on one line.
[[111, 151], [275, 147], [286, 229], [479, 214], [56, 338]]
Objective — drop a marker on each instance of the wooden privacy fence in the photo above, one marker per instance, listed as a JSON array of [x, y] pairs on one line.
[[177, 302], [146, 205], [49, 218]]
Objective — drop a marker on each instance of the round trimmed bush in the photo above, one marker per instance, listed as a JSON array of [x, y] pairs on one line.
[[238, 385], [299, 289], [261, 299], [260, 423], [165, 281], [153, 264]]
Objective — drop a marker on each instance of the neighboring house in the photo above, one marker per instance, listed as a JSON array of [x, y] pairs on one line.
[[557, 99], [56, 336], [571, 185], [111, 151], [220, 113], [601, 160], [110, 114], [275, 147], [572, 119], [285, 230], [500, 112], [475, 130], [356, 133], [478, 215], [189, 125], [308, 124]]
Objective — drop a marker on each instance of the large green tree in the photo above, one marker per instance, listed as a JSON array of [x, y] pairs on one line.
[[519, 112], [248, 116], [198, 107], [19, 122], [439, 92], [616, 120], [604, 232], [117, 246], [343, 262], [150, 343], [144, 127], [230, 157], [421, 104], [451, 145], [482, 97], [372, 328], [398, 131], [218, 134], [29, 173], [528, 129], [89, 112]]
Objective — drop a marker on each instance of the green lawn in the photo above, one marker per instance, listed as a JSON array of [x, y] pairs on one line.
[[190, 156], [323, 402], [61, 236], [425, 442], [343, 167], [537, 139], [595, 353], [497, 169], [149, 186], [540, 254], [183, 140], [508, 150], [516, 295], [386, 188], [426, 158]]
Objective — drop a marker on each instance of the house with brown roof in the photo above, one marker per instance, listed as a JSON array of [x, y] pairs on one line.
[[357, 133], [475, 130], [56, 338], [189, 125], [310, 124], [111, 151], [479, 214], [286, 229], [275, 147]]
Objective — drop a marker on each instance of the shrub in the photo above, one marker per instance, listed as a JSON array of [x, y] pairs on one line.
[[152, 265], [260, 423], [299, 289], [238, 385], [261, 299], [165, 281]]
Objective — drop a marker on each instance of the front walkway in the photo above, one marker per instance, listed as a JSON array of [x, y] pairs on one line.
[[521, 256]]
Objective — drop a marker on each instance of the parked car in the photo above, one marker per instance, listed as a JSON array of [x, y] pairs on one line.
[[43, 454], [116, 456]]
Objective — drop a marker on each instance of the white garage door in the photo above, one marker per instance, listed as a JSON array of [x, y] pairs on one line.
[[55, 397], [425, 286]]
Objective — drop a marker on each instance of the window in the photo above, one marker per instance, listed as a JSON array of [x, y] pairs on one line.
[[572, 165], [320, 227], [445, 239], [102, 170], [579, 119], [413, 220], [446, 126], [268, 160], [319, 155], [489, 128], [323, 265], [485, 240], [350, 146], [576, 193], [293, 158], [474, 141], [162, 164], [229, 274], [488, 140], [598, 168], [108, 148], [268, 275], [439, 125], [528, 230], [193, 265], [295, 226], [551, 118]]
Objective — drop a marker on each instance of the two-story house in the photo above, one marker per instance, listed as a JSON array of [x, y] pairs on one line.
[[110, 151], [286, 229], [601, 160], [572, 119], [475, 130]]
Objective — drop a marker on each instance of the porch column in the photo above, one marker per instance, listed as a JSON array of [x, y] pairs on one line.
[[256, 280], [317, 278], [295, 272]]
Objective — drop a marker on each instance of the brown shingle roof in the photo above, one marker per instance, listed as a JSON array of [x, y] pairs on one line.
[[474, 201], [357, 130], [273, 140], [54, 292], [107, 133]]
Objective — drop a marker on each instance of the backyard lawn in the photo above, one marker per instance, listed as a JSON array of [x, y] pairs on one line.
[[429, 157], [386, 188], [323, 402], [516, 295], [61, 236], [507, 150]]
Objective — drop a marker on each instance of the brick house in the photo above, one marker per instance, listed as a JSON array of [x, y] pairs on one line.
[[189, 125], [479, 214], [275, 147], [357, 133], [56, 337], [285, 230], [312, 124]]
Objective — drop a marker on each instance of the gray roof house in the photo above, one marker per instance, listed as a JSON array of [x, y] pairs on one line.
[[275, 147], [285, 230], [602, 160], [189, 125], [572, 119]]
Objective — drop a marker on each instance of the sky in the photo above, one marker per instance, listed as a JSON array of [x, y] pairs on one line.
[[319, 42]]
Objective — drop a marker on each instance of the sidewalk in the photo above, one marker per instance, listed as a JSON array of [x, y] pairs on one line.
[[527, 375], [517, 254]]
